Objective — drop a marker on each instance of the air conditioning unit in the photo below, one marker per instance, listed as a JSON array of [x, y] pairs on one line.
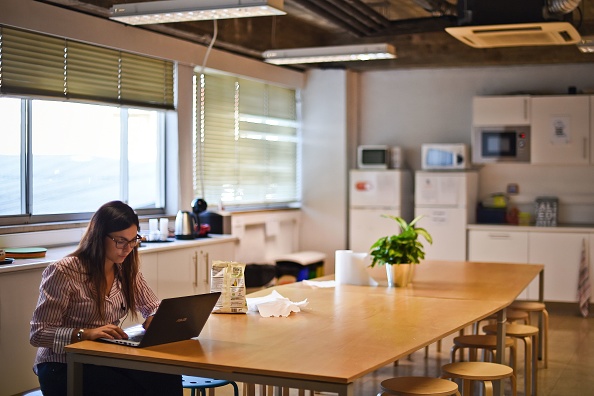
[[515, 23], [516, 35]]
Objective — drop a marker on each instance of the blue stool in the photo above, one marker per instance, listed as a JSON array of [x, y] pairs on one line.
[[202, 384]]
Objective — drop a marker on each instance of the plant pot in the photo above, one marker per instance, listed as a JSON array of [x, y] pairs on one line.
[[399, 275]]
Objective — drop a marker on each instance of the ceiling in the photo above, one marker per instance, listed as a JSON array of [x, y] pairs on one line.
[[414, 27]]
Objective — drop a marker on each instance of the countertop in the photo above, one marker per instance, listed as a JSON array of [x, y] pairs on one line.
[[58, 252], [587, 228]]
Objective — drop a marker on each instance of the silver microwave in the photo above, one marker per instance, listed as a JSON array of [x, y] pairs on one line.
[[501, 144]]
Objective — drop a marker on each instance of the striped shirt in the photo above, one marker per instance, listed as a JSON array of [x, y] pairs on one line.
[[66, 303]]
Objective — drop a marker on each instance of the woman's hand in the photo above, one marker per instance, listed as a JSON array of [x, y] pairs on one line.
[[108, 331]]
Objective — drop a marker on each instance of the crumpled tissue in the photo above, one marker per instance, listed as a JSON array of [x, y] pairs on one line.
[[274, 304]]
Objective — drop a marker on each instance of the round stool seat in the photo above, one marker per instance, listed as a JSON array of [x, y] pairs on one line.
[[514, 315], [412, 386], [477, 371], [202, 383], [480, 341], [530, 306], [513, 330]]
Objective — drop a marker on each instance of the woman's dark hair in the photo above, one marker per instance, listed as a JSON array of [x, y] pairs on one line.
[[111, 217]]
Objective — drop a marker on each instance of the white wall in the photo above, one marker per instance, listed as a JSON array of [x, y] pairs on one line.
[[329, 120]]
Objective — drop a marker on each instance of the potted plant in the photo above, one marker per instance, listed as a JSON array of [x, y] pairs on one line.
[[400, 251]]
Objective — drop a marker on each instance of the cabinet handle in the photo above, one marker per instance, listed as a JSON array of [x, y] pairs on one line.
[[207, 266], [585, 148], [525, 109], [195, 257], [499, 236]]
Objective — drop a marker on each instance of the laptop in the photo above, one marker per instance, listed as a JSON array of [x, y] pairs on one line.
[[176, 319]]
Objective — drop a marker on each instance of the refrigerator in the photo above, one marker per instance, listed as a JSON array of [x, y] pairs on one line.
[[447, 200], [373, 193]]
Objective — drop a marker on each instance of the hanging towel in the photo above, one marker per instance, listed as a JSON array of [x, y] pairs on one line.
[[584, 283]]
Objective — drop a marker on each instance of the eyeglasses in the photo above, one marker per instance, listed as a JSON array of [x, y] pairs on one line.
[[121, 243]]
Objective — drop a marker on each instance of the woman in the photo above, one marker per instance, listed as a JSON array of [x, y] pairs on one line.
[[84, 296]]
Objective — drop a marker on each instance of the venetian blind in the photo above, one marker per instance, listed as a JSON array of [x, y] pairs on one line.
[[247, 142], [37, 64]]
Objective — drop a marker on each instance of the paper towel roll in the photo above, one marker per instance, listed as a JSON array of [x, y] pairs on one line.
[[350, 269]]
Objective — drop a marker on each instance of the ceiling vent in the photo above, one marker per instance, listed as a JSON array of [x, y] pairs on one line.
[[516, 35], [505, 23]]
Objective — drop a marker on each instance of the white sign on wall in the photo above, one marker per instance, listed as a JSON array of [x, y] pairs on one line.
[[560, 129]]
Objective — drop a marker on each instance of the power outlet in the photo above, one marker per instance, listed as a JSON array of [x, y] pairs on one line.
[[513, 188]]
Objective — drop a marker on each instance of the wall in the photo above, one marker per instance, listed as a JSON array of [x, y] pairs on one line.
[[412, 107]]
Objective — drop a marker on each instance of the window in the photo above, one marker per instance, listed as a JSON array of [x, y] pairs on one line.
[[247, 143], [80, 156], [81, 125]]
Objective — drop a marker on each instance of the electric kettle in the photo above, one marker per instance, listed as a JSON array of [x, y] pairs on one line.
[[185, 225]]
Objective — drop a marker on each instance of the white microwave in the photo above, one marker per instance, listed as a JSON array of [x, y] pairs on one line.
[[445, 156], [379, 157]]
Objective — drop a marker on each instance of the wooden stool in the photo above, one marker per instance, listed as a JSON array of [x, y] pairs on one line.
[[525, 333], [512, 315], [479, 371], [540, 308], [413, 386], [488, 343]]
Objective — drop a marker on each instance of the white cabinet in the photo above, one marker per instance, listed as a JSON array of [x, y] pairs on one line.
[[501, 247], [186, 271], [501, 110], [560, 129], [19, 291], [560, 252]]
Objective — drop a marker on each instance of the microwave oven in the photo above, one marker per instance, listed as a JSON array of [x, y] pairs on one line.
[[500, 144], [379, 157], [445, 156]]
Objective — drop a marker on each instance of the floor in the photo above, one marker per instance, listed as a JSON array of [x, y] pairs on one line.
[[571, 360]]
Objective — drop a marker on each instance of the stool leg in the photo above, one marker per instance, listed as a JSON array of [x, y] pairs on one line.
[[528, 369], [488, 387], [545, 338], [235, 389], [535, 365]]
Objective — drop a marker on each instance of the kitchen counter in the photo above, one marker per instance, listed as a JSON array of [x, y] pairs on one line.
[[511, 227], [58, 252]]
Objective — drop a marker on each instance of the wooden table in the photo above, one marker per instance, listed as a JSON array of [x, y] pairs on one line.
[[343, 334]]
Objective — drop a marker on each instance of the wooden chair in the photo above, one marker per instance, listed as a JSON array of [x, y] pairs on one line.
[[540, 309], [485, 372], [528, 334], [418, 386]]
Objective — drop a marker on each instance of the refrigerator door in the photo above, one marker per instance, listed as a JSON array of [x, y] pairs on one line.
[[447, 227], [375, 188], [367, 226], [440, 189]]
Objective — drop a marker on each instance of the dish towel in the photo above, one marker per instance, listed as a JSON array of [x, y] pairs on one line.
[[584, 283]]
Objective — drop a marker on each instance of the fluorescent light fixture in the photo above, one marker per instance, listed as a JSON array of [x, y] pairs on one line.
[[167, 11], [586, 44], [342, 53]]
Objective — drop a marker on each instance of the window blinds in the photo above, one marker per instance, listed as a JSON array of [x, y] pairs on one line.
[[37, 64], [247, 142]]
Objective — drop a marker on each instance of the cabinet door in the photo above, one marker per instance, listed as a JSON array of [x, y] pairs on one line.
[[499, 247], [19, 292], [500, 110], [560, 130], [177, 273], [560, 253]]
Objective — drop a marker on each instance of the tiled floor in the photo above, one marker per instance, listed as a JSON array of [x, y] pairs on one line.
[[571, 360]]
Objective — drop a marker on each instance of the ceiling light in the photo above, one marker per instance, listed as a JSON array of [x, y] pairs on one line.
[[167, 11], [586, 44], [342, 53]]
